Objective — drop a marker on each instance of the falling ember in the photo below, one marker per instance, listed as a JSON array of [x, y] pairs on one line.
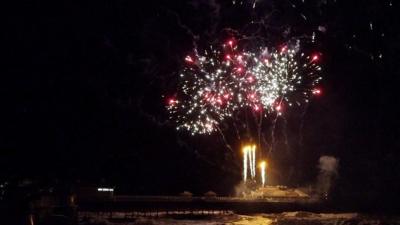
[[239, 69], [230, 43], [172, 101], [314, 58], [263, 166], [189, 59], [267, 63], [316, 91], [226, 96], [250, 79]]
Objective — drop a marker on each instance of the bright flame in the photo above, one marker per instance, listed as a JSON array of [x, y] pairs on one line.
[[263, 166], [249, 160], [245, 152], [253, 158]]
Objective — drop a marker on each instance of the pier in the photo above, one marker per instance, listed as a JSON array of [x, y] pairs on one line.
[[166, 205]]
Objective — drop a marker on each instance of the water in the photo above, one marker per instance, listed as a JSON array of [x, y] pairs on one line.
[[287, 218]]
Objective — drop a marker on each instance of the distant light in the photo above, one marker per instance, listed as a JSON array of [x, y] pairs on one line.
[[105, 189], [322, 29]]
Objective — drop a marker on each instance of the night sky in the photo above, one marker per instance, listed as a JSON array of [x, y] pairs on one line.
[[84, 86]]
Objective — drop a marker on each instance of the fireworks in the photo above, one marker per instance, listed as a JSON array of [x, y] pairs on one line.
[[207, 92], [249, 159], [249, 162], [245, 154], [221, 81], [263, 166]]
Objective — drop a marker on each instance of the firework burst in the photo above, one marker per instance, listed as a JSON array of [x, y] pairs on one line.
[[222, 81]]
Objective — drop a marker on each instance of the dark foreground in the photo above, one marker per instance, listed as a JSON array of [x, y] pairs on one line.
[[285, 218], [166, 210], [156, 204]]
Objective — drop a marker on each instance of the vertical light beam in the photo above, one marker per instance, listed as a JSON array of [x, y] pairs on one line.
[[245, 152], [253, 158], [263, 166]]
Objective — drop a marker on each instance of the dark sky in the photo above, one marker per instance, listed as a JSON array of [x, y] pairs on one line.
[[82, 91]]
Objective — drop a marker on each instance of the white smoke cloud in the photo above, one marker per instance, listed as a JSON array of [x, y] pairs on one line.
[[328, 166]]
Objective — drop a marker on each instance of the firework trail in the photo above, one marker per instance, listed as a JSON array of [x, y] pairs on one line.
[[253, 158], [263, 166], [245, 153], [249, 161]]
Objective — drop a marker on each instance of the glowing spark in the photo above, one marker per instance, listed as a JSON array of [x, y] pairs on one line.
[[316, 91], [315, 57], [230, 43], [313, 37], [172, 101], [189, 59], [250, 79]]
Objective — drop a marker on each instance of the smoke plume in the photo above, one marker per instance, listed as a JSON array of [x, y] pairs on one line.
[[328, 166]]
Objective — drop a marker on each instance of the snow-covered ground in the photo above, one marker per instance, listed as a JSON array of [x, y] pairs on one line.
[[287, 218]]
